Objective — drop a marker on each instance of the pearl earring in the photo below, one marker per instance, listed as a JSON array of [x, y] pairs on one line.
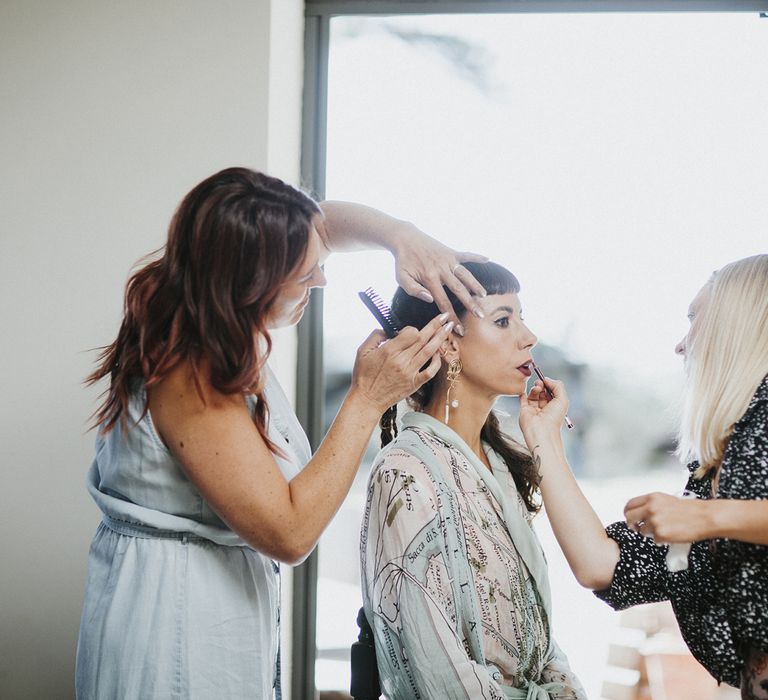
[[454, 370]]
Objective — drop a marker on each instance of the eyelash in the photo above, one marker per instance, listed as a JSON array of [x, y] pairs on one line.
[[503, 322]]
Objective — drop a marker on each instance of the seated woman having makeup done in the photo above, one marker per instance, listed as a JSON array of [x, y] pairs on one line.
[[718, 585], [454, 580]]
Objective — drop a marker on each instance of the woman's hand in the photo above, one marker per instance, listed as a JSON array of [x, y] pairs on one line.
[[540, 416], [387, 371], [668, 518], [423, 266]]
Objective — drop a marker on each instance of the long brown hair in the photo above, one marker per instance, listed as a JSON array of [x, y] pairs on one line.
[[232, 242], [411, 311]]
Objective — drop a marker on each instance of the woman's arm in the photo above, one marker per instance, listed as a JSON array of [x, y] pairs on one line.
[[591, 554], [423, 265], [671, 519], [223, 454], [744, 518]]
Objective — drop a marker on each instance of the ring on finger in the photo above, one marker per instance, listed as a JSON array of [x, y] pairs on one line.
[[455, 267], [639, 524]]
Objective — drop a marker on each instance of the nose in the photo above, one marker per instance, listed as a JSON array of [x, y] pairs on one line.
[[528, 340], [680, 348]]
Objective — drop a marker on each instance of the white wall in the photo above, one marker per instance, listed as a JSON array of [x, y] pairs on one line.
[[109, 113]]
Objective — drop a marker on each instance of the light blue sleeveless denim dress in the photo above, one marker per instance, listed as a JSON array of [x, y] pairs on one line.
[[176, 604]]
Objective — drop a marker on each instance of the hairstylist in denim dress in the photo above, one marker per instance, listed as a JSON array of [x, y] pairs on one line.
[[202, 472]]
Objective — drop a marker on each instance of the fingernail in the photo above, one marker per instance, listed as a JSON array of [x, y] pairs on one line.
[[477, 311], [484, 294], [444, 317], [448, 326], [425, 296], [459, 330]]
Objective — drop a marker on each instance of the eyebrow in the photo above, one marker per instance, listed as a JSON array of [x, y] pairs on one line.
[[507, 309]]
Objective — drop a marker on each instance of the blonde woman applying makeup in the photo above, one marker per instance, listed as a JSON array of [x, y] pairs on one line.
[[720, 594]]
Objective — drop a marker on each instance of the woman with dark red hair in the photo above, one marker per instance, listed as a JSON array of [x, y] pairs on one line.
[[202, 472]]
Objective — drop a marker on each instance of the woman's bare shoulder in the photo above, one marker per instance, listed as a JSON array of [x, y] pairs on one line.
[[184, 395]]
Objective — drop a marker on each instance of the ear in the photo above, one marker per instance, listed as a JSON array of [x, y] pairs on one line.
[[450, 348]]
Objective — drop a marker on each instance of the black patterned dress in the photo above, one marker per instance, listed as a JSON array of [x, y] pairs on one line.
[[721, 599]]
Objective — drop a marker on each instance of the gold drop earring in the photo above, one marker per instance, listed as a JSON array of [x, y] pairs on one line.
[[454, 370]]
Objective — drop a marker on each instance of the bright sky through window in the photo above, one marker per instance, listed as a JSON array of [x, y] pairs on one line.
[[612, 161]]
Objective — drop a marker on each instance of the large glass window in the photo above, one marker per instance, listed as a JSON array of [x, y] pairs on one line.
[[612, 161]]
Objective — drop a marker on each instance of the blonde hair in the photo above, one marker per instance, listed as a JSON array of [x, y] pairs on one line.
[[726, 360]]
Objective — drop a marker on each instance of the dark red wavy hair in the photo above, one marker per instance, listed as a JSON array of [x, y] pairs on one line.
[[232, 242]]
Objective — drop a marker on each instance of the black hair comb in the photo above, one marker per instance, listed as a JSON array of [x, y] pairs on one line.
[[383, 314]]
